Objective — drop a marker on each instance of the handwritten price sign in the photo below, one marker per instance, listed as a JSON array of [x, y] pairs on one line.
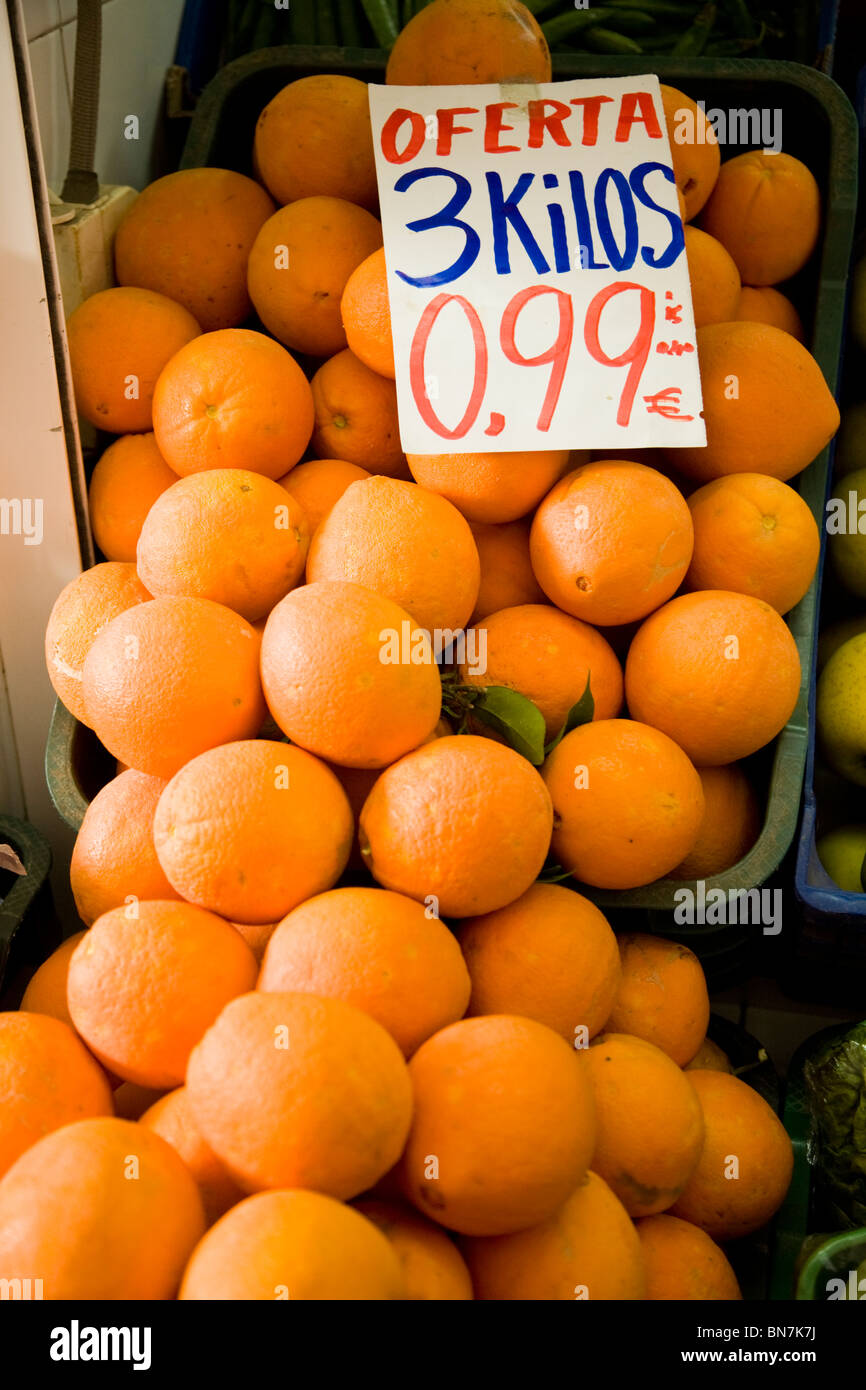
[[536, 267]]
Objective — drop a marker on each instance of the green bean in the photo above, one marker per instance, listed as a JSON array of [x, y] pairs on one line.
[[741, 20], [607, 41], [694, 40], [303, 24], [669, 8], [350, 29], [573, 22], [383, 22], [631, 22], [326, 24]]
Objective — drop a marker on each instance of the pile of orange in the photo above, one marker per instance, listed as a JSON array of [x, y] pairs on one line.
[[369, 709]]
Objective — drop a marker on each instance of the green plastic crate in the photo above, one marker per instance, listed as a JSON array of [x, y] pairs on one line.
[[28, 926], [820, 127]]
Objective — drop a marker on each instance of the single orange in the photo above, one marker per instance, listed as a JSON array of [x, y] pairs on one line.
[[119, 342], [507, 577], [227, 535], [251, 829], [314, 137], [81, 610], [298, 269], [458, 41], [503, 1128], [380, 951], [189, 235], [293, 1245], [627, 803], [745, 1165], [611, 541], [462, 824], [549, 657], [46, 989], [101, 1209], [753, 535], [491, 487], [765, 209], [432, 1266], [682, 1262], [318, 484], [366, 315], [718, 672], [550, 955], [662, 995], [767, 406], [143, 987], [334, 656], [48, 1079], [587, 1249], [114, 858], [730, 826], [768, 305], [170, 1117], [233, 399], [279, 1098], [404, 543], [714, 279], [356, 416], [125, 483], [650, 1126], [170, 678]]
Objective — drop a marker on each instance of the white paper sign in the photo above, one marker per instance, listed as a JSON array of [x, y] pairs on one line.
[[536, 267]]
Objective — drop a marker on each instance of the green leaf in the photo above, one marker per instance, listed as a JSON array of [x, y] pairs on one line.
[[511, 714], [554, 873], [580, 713]]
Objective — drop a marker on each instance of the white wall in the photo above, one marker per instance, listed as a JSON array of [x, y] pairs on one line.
[[138, 44]]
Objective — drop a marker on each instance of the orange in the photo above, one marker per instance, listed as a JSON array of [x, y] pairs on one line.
[[81, 610], [366, 315], [611, 541], [318, 484], [293, 1245], [380, 951], [709, 1057], [46, 990], [356, 416], [314, 137], [334, 657], [766, 305], [47, 1079], [233, 399], [548, 656], [754, 535], [189, 236], [507, 576], [170, 1117], [405, 543], [730, 827], [227, 535], [745, 1165], [717, 672], [767, 406], [298, 269], [462, 824], [694, 149], [650, 1127], [295, 1091], [100, 1209], [144, 986], [119, 342], [714, 279], [432, 1266], [587, 1249], [256, 936], [662, 995], [114, 859], [490, 487], [251, 829], [627, 803], [682, 1262], [460, 41], [550, 955], [170, 678], [125, 483], [765, 209], [503, 1128]]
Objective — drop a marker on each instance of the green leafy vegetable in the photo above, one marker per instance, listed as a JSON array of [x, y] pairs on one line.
[[835, 1081]]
